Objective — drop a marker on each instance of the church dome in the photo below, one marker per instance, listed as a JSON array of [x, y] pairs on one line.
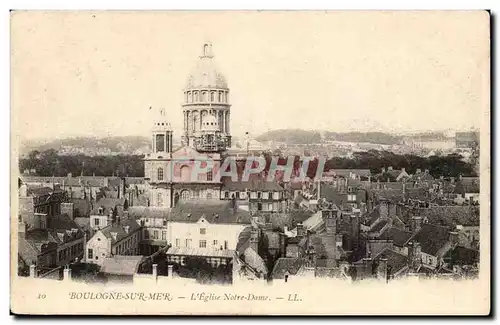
[[205, 75], [210, 123]]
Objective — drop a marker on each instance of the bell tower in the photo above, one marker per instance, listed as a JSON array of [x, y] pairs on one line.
[[157, 162], [162, 135]]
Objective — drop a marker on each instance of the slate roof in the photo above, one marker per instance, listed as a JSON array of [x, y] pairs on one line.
[[253, 259], [431, 238], [398, 236], [381, 224], [214, 211], [243, 240], [252, 185], [137, 211], [464, 256], [107, 204], [395, 261], [452, 215], [120, 230], [372, 216], [286, 264], [121, 265], [81, 206], [346, 172], [300, 215]]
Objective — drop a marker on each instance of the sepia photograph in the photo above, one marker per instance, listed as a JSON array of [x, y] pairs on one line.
[[250, 162]]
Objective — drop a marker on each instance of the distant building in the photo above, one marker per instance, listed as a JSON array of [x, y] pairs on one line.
[[119, 238], [466, 139]]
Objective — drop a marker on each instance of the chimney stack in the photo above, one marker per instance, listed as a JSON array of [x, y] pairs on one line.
[[67, 273], [453, 238], [300, 230], [155, 271], [33, 271], [254, 240], [170, 271]]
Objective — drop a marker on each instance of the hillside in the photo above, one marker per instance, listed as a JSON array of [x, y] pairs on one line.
[[295, 136], [88, 145]]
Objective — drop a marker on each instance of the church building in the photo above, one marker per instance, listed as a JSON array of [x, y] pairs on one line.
[[206, 136]]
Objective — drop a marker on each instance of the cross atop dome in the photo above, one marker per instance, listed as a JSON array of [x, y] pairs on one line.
[[207, 50]]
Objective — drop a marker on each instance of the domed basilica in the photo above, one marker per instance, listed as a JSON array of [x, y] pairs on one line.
[[206, 136]]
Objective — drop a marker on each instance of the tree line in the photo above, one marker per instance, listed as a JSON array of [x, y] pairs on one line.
[[50, 163]]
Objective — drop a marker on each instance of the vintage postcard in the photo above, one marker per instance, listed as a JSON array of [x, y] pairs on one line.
[[250, 163]]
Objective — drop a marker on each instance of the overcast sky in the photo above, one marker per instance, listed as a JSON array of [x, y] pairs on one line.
[[98, 73]]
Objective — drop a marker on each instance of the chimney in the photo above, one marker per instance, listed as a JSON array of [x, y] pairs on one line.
[[22, 229], [126, 228], [330, 222], [67, 273], [453, 238], [170, 270], [382, 269], [416, 223], [68, 208], [254, 240], [418, 171], [414, 255], [155, 271], [389, 168], [300, 230], [33, 273]]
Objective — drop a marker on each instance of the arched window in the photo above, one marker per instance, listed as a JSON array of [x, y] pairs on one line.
[[160, 199], [160, 174], [185, 195], [190, 97], [212, 96], [204, 96], [196, 96], [220, 96]]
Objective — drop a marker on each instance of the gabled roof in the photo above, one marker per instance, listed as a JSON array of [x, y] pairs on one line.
[[464, 256], [286, 265], [107, 204], [431, 238], [452, 215], [253, 259], [399, 237], [381, 224], [395, 261], [121, 265], [119, 229]]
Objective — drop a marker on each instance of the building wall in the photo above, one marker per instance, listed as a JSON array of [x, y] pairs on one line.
[[128, 245], [103, 221], [178, 232], [100, 247], [429, 260], [68, 252]]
